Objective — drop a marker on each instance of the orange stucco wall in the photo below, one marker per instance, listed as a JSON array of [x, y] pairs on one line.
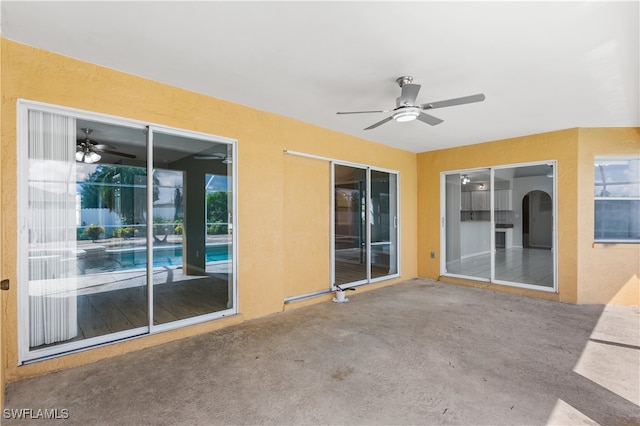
[[283, 209], [561, 146], [607, 273], [2, 378], [587, 272]]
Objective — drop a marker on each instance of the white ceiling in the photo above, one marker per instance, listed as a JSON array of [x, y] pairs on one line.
[[543, 66]]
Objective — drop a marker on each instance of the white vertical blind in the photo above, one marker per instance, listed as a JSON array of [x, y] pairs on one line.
[[52, 228]]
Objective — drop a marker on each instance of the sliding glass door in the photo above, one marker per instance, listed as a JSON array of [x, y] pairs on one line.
[[524, 226], [191, 227], [498, 225], [127, 229], [365, 245], [350, 236], [468, 224], [383, 224]]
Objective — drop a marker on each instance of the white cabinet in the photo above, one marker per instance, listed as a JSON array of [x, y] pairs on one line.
[[480, 200], [503, 199], [465, 201]]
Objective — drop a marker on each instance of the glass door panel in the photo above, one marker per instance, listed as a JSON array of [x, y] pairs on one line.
[[523, 212], [192, 245], [110, 244], [85, 208], [350, 243], [468, 224], [383, 220]]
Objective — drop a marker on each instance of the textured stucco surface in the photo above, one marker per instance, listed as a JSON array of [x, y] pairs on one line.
[[271, 227]]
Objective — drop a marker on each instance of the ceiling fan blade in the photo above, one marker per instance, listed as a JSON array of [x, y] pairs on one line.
[[360, 112], [121, 154], [379, 123], [408, 95], [452, 102], [103, 146], [429, 119]]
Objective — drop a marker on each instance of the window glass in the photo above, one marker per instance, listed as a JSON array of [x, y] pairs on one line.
[[617, 199], [106, 237]]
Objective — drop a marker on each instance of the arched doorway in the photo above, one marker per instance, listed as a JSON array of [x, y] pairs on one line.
[[537, 220]]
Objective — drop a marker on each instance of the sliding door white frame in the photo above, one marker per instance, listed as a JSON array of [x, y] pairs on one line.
[[443, 225], [554, 235], [492, 279], [25, 354], [396, 222]]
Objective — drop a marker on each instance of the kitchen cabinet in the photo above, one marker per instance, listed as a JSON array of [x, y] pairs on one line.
[[480, 200], [465, 201], [503, 199]]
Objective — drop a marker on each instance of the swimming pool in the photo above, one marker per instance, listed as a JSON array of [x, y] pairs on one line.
[[165, 256]]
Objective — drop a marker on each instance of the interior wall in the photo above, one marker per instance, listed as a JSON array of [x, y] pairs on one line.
[[608, 273], [283, 207], [560, 145], [521, 187]]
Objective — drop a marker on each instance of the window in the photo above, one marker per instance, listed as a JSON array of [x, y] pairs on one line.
[[617, 199]]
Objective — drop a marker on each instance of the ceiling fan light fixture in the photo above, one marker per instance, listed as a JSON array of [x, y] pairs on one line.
[[89, 157], [406, 114]]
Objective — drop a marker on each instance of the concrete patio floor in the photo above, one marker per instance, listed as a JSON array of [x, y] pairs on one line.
[[419, 352]]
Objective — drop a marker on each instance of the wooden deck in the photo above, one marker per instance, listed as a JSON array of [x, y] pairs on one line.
[[352, 272], [106, 312]]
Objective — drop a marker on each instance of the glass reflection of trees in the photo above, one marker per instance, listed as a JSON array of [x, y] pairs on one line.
[[120, 189]]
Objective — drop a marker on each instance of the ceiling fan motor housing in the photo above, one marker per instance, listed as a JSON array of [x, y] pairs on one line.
[[406, 114]]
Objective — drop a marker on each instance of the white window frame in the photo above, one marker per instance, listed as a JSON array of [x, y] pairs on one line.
[[25, 354], [602, 158], [492, 279], [368, 169]]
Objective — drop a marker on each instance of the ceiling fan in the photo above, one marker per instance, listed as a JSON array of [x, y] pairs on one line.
[[87, 151], [407, 110]]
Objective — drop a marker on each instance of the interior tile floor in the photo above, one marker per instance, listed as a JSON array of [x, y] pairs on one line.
[[416, 352], [517, 265]]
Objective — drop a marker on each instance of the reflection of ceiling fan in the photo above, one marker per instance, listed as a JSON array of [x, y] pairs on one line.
[[226, 159], [87, 151], [407, 110]]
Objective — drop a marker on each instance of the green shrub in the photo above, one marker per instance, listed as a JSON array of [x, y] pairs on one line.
[[126, 233], [217, 229], [93, 232]]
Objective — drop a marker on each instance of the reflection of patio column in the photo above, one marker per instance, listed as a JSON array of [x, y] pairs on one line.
[[195, 222]]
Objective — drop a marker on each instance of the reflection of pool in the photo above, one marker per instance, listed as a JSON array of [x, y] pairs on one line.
[[165, 256]]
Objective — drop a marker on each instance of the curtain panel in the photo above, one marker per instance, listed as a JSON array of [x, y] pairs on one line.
[[52, 228]]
